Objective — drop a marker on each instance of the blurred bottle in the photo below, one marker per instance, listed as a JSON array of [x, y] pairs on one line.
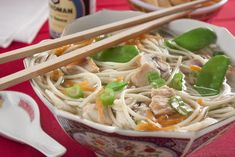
[[62, 12]]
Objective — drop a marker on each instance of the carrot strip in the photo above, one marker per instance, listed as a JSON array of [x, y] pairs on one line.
[[100, 108], [145, 126], [168, 120], [68, 83], [85, 86], [151, 116], [120, 78], [200, 101], [195, 68]]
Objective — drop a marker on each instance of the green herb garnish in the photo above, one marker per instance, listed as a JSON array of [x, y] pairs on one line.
[[177, 81], [179, 106], [74, 92], [155, 79]]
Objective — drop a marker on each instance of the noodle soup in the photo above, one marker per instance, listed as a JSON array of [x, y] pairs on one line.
[[158, 92], [149, 83]]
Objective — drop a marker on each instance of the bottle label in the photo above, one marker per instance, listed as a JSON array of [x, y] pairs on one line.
[[62, 12]]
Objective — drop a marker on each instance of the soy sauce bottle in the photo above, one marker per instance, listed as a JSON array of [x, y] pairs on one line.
[[63, 12]]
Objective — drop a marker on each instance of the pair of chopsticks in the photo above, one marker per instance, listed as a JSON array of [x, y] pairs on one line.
[[142, 24]]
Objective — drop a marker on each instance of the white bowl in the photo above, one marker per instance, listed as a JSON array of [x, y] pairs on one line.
[[205, 10], [113, 141]]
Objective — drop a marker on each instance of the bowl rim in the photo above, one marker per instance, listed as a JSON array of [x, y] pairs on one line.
[[111, 129], [198, 11]]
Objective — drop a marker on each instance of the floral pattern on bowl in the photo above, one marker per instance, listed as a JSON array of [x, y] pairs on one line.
[[116, 145]]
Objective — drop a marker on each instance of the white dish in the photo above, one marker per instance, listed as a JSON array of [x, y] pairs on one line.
[[199, 11]]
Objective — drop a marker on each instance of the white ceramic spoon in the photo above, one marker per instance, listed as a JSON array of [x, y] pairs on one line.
[[20, 121]]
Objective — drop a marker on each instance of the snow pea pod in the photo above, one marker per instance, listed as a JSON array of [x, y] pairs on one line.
[[120, 54], [107, 97], [212, 75], [196, 39], [218, 53]]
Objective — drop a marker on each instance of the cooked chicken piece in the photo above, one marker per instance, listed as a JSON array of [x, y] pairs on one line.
[[164, 3], [177, 2], [149, 63], [160, 98], [163, 91], [141, 77], [90, 112], [90, 65]]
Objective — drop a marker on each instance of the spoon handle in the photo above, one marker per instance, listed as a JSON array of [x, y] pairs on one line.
[[47, 145]]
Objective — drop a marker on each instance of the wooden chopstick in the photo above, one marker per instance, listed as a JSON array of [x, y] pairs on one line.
[[79, 54], [94, 32]]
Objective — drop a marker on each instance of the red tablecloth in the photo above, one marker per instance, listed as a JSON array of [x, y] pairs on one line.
[[224, 146]]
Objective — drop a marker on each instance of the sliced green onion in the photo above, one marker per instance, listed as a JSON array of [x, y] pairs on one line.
[[107, 97], [111, 89], [179, 106], [74, 92], [155, 80], [171, 44], [116, 86], [177, 81]]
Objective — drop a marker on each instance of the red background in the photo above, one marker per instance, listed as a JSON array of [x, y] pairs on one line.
[[224, 146]]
